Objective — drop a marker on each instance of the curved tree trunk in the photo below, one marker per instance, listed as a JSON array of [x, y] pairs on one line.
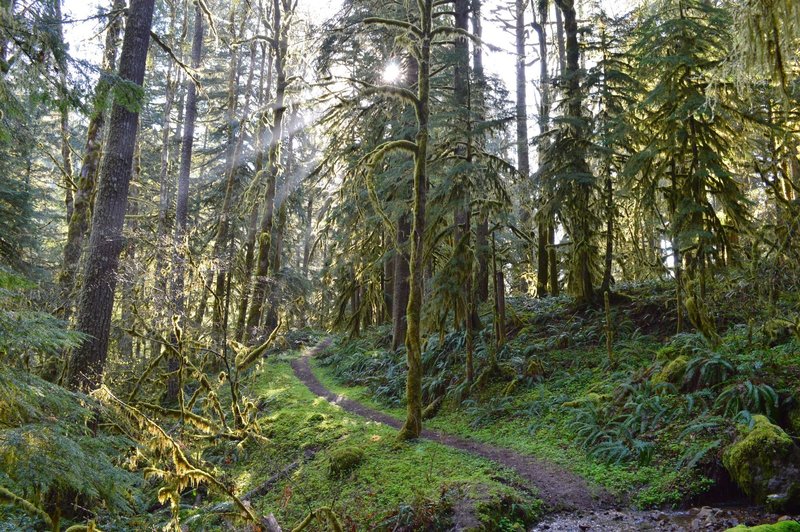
[[413, 424]]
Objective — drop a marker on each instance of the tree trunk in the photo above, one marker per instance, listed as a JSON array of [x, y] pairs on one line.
[[523, 152], [400, 291], [261, 278], [545, 217], [552, 258], [159, 296], [413, 424], [307, 234], [125, 342], [463, 233], [479, 112], [265, 87], [182, 209], [99, 280], [609, 253], [81, 212], [223, 226], [581, 221]]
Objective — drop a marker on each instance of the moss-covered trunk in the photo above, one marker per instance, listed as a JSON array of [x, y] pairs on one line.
[[413, 423]]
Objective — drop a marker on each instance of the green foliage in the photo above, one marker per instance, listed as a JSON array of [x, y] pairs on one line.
[[128, 94], [759, 398], [29, 337], [782, 526], [51, 450], [483, 413], [707, 370]]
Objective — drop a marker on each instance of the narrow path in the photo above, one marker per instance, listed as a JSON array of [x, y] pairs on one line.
[[560, 489]]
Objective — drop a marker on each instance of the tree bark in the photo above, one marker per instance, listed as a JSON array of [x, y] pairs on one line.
[[479, 112], [182, 209], [413, 424], [523, 152], [223, 226], [78, 224], [97, 293], [580, 225], [265, 87], [261, 279], [545, 218], [400, 290]]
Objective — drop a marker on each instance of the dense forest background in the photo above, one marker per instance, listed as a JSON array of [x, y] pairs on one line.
[[586, 260]]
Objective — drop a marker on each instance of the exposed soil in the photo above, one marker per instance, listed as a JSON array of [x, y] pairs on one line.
[[558, 488]]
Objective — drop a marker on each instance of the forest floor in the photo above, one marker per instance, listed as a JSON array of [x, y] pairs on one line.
[[559, 489], [571, 502]]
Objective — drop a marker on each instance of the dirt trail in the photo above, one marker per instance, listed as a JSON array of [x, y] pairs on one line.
[[560, 489]]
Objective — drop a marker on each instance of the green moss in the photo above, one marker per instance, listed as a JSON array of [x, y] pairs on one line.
[[673, 372], [759, 461], [648, 486], [667, 353], [783, 526], [390, 476], [344, 460], [591, 397]]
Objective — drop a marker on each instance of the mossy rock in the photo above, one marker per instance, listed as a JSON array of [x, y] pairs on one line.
[[344, 460], [765, 463], [667, 353], [592, 397], [782, 526], [673, 372]]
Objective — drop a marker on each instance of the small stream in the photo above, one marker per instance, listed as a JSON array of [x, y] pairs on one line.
[[705, 518]]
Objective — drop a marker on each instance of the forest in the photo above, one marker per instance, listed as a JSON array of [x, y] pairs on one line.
[[400, 265]]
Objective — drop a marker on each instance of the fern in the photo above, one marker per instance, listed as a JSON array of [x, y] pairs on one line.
[[48, 448], [750, 397]]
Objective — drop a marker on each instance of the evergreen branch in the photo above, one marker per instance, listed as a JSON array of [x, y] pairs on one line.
[[413, 28], [460, 32], [29, 507], [392, 91]]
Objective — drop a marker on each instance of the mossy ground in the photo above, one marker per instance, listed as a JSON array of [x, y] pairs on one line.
[[544, 437], [783, 526], [410, 482]]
